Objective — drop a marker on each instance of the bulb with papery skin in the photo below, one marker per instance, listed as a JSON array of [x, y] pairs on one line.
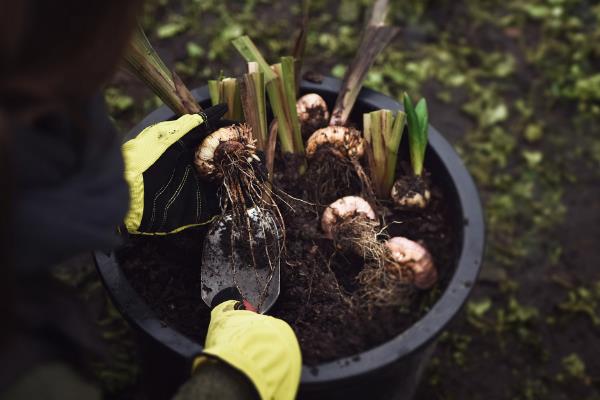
[[407, 253], [342, 209], [348, 142], [312, 112], [235, 138]]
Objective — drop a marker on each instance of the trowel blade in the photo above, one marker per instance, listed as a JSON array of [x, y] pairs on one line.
[[231, 258]]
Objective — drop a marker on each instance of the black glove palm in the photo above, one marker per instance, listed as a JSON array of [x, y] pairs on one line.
[[166, 194]]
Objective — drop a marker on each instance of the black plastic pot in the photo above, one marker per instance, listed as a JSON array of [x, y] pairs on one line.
[[389, 371]]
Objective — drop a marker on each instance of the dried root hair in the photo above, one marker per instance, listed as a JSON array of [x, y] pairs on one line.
[[353, 226], [335, 153], [403, 267], [360, 235], [384, 281], [385, 287], [329, 178]]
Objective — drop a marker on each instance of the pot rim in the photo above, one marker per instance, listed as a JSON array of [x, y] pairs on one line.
[[415, 337]]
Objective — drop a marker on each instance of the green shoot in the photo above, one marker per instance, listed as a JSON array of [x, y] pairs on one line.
[[254, 104], [144, 62], [418, 123], [227, 91], [383, 134]]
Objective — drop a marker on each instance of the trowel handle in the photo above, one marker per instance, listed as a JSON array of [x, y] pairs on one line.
[[232, 293], [245, 305]]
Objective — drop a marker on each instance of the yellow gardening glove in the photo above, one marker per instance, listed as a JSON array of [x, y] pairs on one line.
[[166, 196], [263, 348]]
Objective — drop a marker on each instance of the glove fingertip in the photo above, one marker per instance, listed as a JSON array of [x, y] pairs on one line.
[[224, 307], [215, 112]]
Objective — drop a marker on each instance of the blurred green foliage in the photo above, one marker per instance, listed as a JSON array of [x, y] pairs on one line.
[[117, 101]]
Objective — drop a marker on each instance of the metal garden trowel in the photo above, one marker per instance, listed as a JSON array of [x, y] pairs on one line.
[[242, 261]]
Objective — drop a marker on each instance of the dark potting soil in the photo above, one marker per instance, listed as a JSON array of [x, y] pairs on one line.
[[318, 285]]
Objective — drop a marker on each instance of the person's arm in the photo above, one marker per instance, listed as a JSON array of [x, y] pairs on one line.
[[217, 380]]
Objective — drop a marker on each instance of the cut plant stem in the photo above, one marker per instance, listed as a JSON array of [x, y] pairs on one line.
[[280, 82], [383, 133], [412, 191], [300, 43], [278, 101], [375, 38], [378, 13], [252, 91], [270, 150], [214, 90], [184, 94], [142, 61], [283, 103], [227, 90], [286, 74], [231, 95], [250, 52]]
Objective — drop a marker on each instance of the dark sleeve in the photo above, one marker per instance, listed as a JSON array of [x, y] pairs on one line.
[[70, 191], [215, 380], [69, 194], [54, 381]]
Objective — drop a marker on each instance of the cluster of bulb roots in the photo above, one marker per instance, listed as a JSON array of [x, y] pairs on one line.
[[393, 269]]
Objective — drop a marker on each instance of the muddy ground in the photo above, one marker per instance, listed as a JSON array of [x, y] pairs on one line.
[[515, 86]]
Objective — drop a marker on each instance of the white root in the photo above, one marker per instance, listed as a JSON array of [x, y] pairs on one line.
[[205, 154], [312, 112], [407, 253], [348, 141], [344, 208]]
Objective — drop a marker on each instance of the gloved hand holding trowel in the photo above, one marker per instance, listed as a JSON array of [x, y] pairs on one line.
[[167, 197]]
